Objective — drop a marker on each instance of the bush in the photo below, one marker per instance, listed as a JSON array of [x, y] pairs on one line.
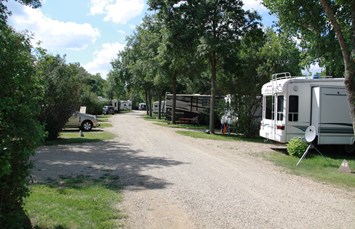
[[20, 132], [296, 147], [92, 103], [62, 89]]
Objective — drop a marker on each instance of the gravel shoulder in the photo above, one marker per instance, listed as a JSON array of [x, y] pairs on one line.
[[173, 181]]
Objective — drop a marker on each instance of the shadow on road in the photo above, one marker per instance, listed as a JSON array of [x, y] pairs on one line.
[[98, 160]]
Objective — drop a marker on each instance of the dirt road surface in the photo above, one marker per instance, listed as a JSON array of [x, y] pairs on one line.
[[173, 181]]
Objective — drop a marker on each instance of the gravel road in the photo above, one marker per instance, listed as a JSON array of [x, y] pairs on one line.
[[173, 181]]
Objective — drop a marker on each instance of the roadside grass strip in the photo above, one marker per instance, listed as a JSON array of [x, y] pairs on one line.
[[105, 124], [218, 136], [317, 167], [73, 136], [75, 202], [165, 123]]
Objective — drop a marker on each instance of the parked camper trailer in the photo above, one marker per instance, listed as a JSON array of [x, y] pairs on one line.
[[142, 106], [115, 104], [125, 105], [156, 107], [189, 106], [291, 104]]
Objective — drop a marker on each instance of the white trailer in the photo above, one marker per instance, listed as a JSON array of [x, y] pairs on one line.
[[115, 104], [291, 104], [156, 107], [125, 105]]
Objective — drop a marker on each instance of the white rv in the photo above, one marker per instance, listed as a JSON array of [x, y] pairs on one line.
[[156, 107], [125, 105], [291, 104], [115, 104]]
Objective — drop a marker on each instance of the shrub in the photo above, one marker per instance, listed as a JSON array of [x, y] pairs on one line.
[[296, 147], [20, 132], [62, 89], [93, 104]]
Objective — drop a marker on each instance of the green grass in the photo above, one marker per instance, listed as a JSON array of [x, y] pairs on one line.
[[324, 169], [103, 119], [218, 136], [105, 124], [73, 136], [163, 122], [78, 202]]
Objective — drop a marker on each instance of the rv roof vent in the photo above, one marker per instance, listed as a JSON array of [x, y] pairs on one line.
[[282, 75]]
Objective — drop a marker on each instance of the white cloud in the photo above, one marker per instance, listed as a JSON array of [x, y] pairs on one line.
[[53, 34], [102, 59], [117, 11]]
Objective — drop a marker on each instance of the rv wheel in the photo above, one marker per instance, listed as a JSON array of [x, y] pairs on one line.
[[349, 148]]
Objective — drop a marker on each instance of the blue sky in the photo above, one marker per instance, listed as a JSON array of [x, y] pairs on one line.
[[90, 32]]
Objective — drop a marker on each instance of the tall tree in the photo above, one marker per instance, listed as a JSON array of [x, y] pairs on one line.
[[177, 56], [316, 20], [216, 25]]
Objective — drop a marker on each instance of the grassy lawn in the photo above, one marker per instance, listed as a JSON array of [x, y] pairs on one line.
[[324, 169], [105, 125], [73, 136], [75, 202], [163, 122], [218, 136]]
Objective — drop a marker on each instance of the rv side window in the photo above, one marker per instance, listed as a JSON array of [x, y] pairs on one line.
[[269, 111], [280, 107], [293, 108]]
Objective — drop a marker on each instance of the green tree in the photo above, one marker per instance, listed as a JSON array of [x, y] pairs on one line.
[[219, 25], [278, 54], [20, 132], [178, 60], [319, 23], [93, 86], [259, 54], [62, 92]]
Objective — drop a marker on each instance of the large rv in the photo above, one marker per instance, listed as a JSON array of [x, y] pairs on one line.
[[291, 104], [189, 106]]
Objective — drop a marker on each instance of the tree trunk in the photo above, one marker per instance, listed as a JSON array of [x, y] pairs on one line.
[[349, 60], [159, 107], [174, 100], [146, 102], [213, 91], [150, 103]]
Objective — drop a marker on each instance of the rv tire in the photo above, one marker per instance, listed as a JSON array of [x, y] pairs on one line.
[[349, 148]]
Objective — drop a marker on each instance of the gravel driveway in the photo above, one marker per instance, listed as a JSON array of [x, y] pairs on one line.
[[173, 181]]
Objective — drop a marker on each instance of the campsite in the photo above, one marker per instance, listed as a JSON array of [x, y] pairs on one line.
[[177, 114]]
